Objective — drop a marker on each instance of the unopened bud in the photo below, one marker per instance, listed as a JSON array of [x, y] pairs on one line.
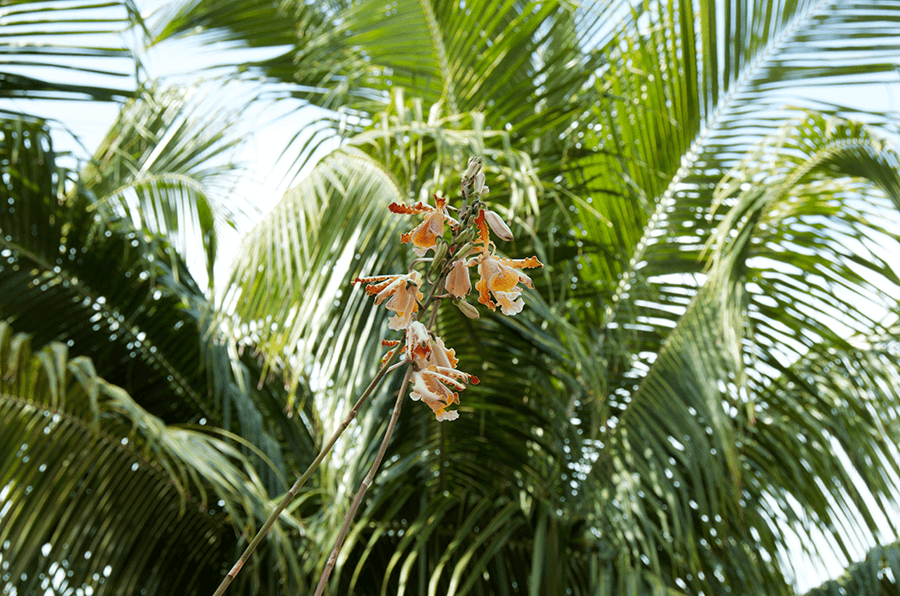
[[473, 168], [468, 183], [440, 252], [464, 250], [465, 236], [478, 186], [498, 226], [467, 309]]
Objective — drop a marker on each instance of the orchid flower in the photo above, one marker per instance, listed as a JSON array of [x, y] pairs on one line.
[[424, 236], [404, 293], [435, 371], [435, 379], [499, 276], [458, 283]]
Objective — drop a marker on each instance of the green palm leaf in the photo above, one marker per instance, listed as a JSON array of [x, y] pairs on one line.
[[347, 57], [768, 390], [648, 413], [867, 576], [111, 293], [95, 493], [169, 169], [45, 54]]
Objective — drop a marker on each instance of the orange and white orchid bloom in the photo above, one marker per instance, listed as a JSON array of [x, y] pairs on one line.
[[430, 386], [500, 277], [424, 236], [435, 373], [418, 344], [404, 293]]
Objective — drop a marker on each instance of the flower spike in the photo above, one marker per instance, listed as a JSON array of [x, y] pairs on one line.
[[435, 379]]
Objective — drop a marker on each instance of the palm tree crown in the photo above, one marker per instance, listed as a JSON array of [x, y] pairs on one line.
[[705, 373]]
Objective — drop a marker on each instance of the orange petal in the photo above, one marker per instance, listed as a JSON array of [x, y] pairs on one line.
[[483, 235], [484, 296], [504, 280], [410, 210], [423, 235]]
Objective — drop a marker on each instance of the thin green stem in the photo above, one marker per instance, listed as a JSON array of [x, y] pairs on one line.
[[270, 521], [332, 559]]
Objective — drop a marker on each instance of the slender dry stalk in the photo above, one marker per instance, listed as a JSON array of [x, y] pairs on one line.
[[270, 521], [367, 481]]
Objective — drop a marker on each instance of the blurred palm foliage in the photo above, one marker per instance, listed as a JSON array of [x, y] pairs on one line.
[[704, 380]]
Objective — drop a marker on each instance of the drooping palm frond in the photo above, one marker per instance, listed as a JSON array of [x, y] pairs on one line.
[[45, 54], [520, 63], [691, 94], [770, 400], [170, 170], [469, 56], [96, 494], [819, 299], [110, 292]]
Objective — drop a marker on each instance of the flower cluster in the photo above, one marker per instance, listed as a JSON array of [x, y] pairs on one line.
[[435, 379]]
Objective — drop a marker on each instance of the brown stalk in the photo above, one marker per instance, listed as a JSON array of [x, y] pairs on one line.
[[270, 521], [367, 481]]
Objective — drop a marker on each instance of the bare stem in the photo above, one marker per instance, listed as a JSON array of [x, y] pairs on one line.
[[270, 521], [332, 559]]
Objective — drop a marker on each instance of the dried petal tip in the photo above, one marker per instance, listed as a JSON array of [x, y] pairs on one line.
[[498, 226]]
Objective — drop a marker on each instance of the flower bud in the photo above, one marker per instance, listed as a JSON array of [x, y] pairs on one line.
[[440, 252], [469, 184], [498, 226], [464, 250], [464, 236], [457, 283], [473, 168], [478, 185], [467, 309]]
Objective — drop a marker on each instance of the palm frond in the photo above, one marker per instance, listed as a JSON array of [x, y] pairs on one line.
[[170, 170], [111, 293], [767, 391], [521, 63], [685, 108], [46, 55], [95, 493]]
